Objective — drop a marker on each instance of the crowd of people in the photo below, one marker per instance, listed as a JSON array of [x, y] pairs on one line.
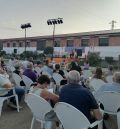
[[73, 89]]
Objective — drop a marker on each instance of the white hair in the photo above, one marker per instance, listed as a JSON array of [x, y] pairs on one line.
[[116, 77], [73, 77]]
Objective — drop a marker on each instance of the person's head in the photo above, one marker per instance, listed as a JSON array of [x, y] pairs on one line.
[[73, 77], [110, 68], [39, 64], [44, 81], [57, 66], [30, 65], [17, 67], [116, 77], [98, 73]]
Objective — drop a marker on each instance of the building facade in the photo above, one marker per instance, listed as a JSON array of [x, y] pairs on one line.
[[106, 42]]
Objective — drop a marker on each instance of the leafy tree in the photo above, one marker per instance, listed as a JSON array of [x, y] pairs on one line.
[[94, 59], [48, 50]]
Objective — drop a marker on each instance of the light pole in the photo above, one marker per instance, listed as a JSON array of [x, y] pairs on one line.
[[25, 26], [54, 22]]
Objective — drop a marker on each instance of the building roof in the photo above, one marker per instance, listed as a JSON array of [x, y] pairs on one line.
[[94, 33]]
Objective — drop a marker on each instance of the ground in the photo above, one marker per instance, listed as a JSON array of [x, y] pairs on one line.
[[11, 119]]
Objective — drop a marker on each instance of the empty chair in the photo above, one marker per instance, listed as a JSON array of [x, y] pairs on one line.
[[96, 84], [109, 78], [72, 118], [87, 74], [39, 107], [57, 78]]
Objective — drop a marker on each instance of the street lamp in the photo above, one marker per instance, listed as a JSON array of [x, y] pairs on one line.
[[25, 26], [54, 22]]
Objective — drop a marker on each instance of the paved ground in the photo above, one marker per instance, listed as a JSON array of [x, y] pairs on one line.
[[11, 119]]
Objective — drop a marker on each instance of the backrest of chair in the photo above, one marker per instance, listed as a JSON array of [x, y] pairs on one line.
[[109, 79], [17, 78], [87, 74], [96, 83], [38, 106], [27, 81], [46, 73], [110, 101], [70, 117], [57, 77]]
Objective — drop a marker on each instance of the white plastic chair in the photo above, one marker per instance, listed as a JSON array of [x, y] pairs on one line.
[[57, 77], [111, 103], [46, 73], [96, 84], [39, 107], [38, 70], [87, 74], [109, 79], [17, 79], [2, 99], [72, 118], [27, 82]]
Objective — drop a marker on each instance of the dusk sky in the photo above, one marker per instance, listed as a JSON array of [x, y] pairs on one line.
[[78, 16]]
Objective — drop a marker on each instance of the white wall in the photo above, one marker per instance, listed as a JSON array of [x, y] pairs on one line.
[[106, 51], [10, 50]]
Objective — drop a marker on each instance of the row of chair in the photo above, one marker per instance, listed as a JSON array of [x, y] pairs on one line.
[[69, 116]]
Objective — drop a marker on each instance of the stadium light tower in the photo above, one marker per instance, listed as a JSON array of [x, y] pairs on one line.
[[54, 22], [25, 26]]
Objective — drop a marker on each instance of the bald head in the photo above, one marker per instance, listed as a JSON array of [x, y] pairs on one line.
[[73, 77], [116, 77]]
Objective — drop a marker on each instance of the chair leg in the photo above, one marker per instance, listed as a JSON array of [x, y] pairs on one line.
[[17, 103], [1, 104], [118, 119], [100, 125], [32, 123]]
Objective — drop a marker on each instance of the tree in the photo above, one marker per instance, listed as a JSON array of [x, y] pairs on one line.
[[94, 59], [48, 50]]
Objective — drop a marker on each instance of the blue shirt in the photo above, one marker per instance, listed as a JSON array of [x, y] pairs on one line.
[[79, 97]]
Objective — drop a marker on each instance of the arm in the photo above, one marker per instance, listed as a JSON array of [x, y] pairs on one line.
[[97, 114], [49, 96], [7, 86]]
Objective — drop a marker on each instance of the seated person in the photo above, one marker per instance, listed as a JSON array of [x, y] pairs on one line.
[[41, 90], [81, 98], [99, 74], [86, 65], [5, 83], [58, 70], [30, 73]]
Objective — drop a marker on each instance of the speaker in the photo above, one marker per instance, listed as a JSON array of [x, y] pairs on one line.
[[79, 52]]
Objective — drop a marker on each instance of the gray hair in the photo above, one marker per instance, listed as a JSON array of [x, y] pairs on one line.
[[116, 77], [30, 65], [73, 77]]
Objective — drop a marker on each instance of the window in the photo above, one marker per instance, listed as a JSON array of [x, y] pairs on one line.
[[14, 44], [28, 44], [41, 44], [70, 43], [20, 44], [84, 42], [8, 44], [57, 43], [103, 41]]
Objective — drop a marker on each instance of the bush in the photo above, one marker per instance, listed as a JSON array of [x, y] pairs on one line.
[[109, 59], [94, 59]]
